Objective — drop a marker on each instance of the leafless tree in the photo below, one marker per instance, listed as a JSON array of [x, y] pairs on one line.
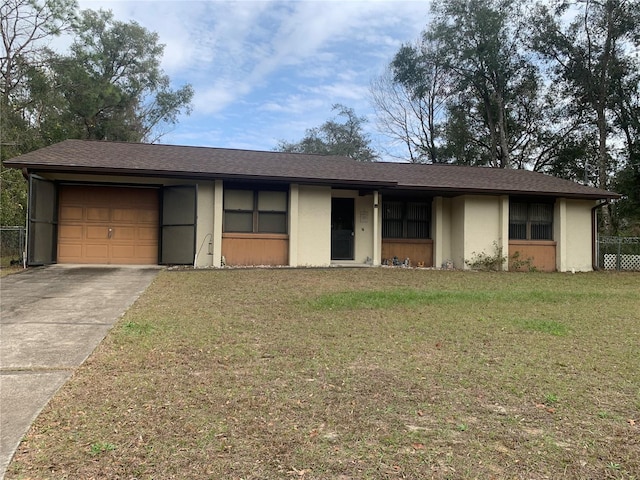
[[25, 27], [409, 113]]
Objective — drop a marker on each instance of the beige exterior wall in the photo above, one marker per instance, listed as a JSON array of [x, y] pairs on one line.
[[363, 229], [457, 232], [216, 258], [482, 225], [313, 232], [503, 225], [204, 225], [573, 234], [469, 225], [294, 217], [377, 228], [441, 221]]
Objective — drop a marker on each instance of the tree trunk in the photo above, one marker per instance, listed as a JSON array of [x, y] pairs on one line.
[[505, 161]]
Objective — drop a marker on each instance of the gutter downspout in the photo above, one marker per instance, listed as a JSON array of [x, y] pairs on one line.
[[594, 233]]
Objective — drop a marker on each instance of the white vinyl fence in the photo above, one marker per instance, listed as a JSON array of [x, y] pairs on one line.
[[619, 253]]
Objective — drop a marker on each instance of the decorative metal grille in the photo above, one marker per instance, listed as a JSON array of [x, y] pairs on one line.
[[619, 253], [402, 219], [532, 221]]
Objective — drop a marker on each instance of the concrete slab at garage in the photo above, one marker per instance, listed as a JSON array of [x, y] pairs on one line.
[[51, 320]]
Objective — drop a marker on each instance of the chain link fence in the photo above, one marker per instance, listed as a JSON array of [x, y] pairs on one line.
[[619, 253], [12, 245]]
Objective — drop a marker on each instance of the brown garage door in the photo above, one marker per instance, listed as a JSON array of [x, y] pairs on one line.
[[112, 225]]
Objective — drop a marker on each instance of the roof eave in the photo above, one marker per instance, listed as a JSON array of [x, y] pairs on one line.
[[83, 170], [336, 182], [449, 191]]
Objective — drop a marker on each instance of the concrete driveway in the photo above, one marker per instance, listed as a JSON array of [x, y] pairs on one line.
[[51, 319]]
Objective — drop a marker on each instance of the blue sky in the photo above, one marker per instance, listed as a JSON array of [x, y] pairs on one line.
[[267, 70]]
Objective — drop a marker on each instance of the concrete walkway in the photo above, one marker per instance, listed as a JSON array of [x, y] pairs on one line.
[[51, 320]]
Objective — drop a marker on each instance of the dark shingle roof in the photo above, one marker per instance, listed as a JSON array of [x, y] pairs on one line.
[[80, 156]]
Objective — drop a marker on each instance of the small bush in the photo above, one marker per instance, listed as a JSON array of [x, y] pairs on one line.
[[487, 262], [521, 264]]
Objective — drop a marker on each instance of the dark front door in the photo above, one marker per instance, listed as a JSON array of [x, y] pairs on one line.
[[342, 231]]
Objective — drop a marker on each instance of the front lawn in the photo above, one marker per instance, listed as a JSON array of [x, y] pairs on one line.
[[355, 374]]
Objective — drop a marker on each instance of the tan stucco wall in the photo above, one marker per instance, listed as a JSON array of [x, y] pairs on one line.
[[216, 258], [469, 225], [363, 227], [204, 225], [377, 228], [441, 231], [457, 231], [294, 217], [313, 226], [482, 225], [573, 234]]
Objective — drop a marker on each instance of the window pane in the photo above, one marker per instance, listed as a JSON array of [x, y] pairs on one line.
[[238, 221], [518, 231], [518, 212], [392, 210], [272, 222], [417, 211], [540, 212], [541, 231], [392, 229], [272, 201], [238, 200], [417, 229]]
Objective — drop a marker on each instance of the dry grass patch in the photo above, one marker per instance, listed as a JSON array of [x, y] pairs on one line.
[[353, 374], [7, 266]]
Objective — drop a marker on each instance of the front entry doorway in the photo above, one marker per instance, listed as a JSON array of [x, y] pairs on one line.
[[342, 228]]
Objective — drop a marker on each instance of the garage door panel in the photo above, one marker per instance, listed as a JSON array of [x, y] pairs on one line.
[[123, 251], [96, 251], [149, 253], [103, 196], [100, 224], [70, 232], [75, 195], [72, 252], [71, 213], [147, 216], [96, 232], [138, 255], [148, 234], [123, 215], [95, 214], [124, 234]]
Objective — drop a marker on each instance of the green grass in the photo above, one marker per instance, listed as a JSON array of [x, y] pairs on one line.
[[355, 374]]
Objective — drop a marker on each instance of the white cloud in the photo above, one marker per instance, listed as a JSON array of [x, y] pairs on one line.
[[263, 67]]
